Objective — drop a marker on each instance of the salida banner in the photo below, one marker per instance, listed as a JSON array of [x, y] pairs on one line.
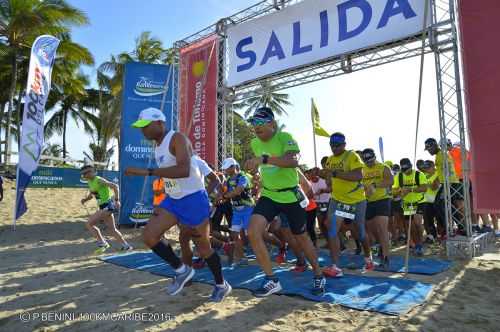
[[315, 30], [198, 96], [57, 177], [144, 87]]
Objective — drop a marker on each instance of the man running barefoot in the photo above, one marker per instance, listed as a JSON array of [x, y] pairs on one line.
[[276, 156], [186, 203], [107, 195], [378, 181], [348, 201]]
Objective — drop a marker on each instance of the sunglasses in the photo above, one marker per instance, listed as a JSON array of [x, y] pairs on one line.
[[259, 122]]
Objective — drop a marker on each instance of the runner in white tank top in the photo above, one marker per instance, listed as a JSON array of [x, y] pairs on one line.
[[187, 201], [180, 187]]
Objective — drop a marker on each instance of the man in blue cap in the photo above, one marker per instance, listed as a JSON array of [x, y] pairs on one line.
[[348, 201]]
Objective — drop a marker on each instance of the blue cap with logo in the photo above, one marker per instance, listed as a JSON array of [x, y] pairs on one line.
[[337, 139], [262, 115]]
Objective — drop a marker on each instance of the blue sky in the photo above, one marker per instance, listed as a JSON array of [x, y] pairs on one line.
[[364, 105]]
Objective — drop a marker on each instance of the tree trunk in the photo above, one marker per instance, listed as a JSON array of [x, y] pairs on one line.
[[65, 120], [2, 110], [11, 107], [18, 118]]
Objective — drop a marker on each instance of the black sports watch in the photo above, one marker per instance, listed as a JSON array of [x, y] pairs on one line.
[[265, 159], [334, 174], [150, 171]]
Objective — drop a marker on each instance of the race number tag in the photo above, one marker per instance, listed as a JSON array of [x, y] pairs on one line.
[[323, 207], [409, 209], [345, 211], [172, 187]]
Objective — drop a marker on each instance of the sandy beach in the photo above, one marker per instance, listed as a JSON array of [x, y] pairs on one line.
[[47, 265]]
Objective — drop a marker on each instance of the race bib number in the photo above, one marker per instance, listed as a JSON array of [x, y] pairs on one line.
[[346, 211], [409, 209], [323, 207], [172, 187]]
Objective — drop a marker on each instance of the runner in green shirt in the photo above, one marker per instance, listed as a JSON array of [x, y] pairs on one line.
[[106, 194], [277, 159], [411, 185]]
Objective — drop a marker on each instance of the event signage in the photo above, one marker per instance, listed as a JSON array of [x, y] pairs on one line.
[[55, 177], [144, 87], [315, 30], [198, 96], [43, 54]]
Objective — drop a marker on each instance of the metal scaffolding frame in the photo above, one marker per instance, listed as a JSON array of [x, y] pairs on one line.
[[442, 40]]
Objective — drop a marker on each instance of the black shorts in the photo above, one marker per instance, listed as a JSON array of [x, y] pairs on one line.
[[396, 207], [380, 208], [294, 213], [108, 206]]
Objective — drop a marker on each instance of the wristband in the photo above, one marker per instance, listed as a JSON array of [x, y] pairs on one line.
[[265, 159]]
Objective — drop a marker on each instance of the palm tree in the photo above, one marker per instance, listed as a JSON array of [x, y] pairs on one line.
[[51, 150], [69, 98], [266, 95], [21, 22], [147, 49], [106, 124]]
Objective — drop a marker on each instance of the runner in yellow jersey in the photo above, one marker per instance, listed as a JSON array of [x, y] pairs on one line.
[[430, 213], [348, 201], [411, 185], [378, 181], [456, 190]]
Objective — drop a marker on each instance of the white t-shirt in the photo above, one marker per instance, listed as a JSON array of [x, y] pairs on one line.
[[181, 187], [316, 187]]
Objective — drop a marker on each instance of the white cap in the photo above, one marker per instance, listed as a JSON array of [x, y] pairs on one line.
[[147, 116], [229, 162]]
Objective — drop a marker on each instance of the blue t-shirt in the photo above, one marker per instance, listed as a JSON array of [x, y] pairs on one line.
[[240, 181]]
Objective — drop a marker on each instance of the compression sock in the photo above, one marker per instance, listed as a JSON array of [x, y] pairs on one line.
[[214, 264], [166, 252]]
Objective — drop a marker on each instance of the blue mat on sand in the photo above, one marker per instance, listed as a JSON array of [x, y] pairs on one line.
[[385, 295], [426, 266]]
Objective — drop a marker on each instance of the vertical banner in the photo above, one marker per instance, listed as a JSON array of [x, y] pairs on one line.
[[145, 86], [479, 30], [43, 53], [198, 96]]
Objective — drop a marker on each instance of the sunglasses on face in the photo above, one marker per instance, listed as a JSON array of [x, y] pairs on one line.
[[259, 122]]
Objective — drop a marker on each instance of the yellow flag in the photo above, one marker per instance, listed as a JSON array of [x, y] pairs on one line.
[[318, 130]]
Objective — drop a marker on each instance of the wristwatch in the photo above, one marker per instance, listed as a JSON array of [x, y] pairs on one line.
[[334, 174], [150, 171], [265, 159]]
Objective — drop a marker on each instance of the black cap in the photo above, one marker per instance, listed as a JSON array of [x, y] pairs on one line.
[[428, 164], [368, 155], [405, 163], [263, 113], [430, 142]]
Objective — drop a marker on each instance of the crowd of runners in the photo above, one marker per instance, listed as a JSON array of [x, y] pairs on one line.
[[272, 208]]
